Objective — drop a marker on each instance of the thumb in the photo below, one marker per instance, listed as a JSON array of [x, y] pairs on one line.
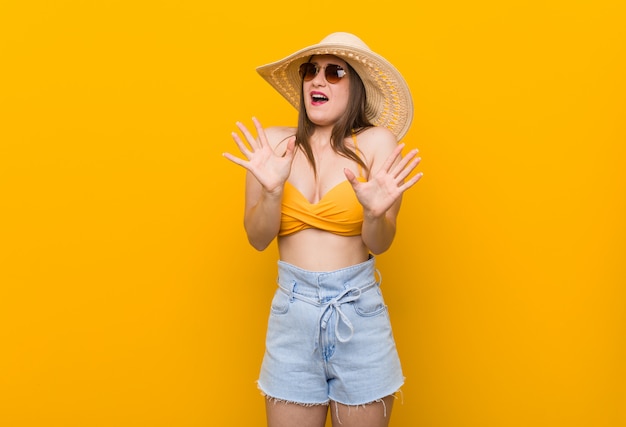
[[291, 145], [351, 176]]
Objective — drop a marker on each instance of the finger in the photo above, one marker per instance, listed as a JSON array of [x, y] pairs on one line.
[[291, 147], [349, 175], [236, 160], [249, 137], [260, 132], [411, 182], [403, 163], [242, 147], [386, 167], [406, 171]]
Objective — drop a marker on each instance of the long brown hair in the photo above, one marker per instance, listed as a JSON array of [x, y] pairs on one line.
[[354, 120]]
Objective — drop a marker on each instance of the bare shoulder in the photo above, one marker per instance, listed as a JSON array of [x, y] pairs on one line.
[[277, 136], [375, 142]]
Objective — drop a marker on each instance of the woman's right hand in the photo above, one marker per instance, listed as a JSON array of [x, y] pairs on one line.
[[269, 168]]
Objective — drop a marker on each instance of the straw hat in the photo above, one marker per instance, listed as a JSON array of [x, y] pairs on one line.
[[389, 102]]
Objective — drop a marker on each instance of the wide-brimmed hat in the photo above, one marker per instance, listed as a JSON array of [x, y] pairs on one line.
[[389, 102]]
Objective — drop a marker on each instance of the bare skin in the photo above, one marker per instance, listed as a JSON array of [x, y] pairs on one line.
[[271, 161], [281, 414], [375, 414]]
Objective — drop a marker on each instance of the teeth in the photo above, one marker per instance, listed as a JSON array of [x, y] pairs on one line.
[[319, 97]]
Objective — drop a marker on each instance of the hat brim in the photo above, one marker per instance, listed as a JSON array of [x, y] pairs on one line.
[[389, 103]]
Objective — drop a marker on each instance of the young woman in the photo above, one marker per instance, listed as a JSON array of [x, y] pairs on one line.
[[330, 192]]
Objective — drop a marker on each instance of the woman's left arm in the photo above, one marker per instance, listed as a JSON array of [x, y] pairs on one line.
[[381, 195]]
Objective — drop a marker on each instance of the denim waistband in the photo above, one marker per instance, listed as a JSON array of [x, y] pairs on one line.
[[325, 285], [329, 290]]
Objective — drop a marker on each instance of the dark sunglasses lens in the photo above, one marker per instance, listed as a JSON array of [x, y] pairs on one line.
[[308, 71], [334, 73]]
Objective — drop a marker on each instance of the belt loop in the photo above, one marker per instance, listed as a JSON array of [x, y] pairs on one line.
[[291, 289]]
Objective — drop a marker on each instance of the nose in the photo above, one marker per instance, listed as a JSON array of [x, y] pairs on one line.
[[320, 78]]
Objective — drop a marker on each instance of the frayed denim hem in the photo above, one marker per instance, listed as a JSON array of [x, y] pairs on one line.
[[276, 400], [329, 403], [363, 405]]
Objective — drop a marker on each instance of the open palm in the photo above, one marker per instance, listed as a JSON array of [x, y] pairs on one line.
[[386, 185], [269, 168]]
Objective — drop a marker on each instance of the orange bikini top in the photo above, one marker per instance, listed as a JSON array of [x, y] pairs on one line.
[[338, 211]]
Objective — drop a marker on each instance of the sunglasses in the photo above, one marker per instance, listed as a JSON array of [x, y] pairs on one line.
[[332, 72]]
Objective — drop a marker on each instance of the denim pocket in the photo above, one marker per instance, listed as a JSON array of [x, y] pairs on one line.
[[370, 303], [280, 302]]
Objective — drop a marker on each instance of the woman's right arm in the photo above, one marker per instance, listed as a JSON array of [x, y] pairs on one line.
[[267, 173], [262, 213]]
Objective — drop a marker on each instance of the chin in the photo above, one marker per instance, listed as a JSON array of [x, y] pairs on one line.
[[321, 119]]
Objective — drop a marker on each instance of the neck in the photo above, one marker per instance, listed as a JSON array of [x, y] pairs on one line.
[[321, 137]]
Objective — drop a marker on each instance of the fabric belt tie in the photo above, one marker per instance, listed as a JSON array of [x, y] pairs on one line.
[[334, 305]]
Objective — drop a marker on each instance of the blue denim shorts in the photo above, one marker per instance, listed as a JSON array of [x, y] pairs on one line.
[[329, 338]]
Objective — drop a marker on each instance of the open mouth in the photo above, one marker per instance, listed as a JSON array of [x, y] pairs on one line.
[[318, 98]]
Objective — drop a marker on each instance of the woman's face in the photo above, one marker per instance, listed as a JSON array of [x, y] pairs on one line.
[[326, 102]]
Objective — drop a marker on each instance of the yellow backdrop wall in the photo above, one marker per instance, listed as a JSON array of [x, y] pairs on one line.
[[130, 297]]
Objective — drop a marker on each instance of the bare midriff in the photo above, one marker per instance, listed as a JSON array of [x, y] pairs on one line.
[[318, 250]]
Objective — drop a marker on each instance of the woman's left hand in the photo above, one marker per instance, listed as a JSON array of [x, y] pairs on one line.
[[386, 185]]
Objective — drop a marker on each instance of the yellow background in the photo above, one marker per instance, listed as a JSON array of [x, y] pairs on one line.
[[130, 297]]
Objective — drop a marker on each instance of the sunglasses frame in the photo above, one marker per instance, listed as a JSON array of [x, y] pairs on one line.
[[339, 72]]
